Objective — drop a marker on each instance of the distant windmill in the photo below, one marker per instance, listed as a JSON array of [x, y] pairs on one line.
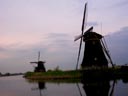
[[95, 52], [40, 65]]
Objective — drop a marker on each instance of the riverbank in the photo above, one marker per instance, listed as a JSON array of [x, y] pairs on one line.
[[11, 74], [53, 75], [92, 73]]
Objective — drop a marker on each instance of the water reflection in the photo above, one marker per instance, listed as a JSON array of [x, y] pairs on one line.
[[41, 86], [18, 86], [98, 88], [84, 87]]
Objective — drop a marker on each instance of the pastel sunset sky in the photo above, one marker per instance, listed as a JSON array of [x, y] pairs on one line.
[[49, 26]]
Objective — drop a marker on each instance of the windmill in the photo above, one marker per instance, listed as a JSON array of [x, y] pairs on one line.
[[95, 51], [40, 65]]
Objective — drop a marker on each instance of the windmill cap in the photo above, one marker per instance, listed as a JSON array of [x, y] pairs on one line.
[[41, 61], [91, 36]]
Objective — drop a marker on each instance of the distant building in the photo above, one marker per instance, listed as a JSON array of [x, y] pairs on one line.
[[40, 67]]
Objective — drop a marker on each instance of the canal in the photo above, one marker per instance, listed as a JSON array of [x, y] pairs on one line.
[[19, 86]]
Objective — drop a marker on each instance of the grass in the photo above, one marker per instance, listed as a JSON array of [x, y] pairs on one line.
[[53, 75], [93, 73]]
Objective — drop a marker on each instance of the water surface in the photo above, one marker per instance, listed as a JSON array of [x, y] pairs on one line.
[[19, 86]]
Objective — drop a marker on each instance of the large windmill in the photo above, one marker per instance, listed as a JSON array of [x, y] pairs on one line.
[[95, 50], [40, 65]]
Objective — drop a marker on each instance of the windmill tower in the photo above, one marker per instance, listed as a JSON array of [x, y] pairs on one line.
[[40, 65], [95, 52]]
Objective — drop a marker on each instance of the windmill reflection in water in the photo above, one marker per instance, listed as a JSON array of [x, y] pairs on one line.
[[97, 88], [41, 86]]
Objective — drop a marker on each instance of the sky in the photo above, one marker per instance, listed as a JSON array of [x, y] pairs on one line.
[[49, 26]]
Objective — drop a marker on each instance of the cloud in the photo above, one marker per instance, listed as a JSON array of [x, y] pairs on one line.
[[27, 27], [117, 43], [121, 3], [2, 49], [58, 50], [92, 24]]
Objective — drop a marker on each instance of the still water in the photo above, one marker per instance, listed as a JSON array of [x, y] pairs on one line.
[[19, 86]]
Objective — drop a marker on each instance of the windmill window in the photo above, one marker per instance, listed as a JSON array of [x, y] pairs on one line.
[[93, 42], [95, 59]]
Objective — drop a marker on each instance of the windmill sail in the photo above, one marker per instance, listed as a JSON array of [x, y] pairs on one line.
[[78, 37], [38, 56], [84, 18], [82, 29]]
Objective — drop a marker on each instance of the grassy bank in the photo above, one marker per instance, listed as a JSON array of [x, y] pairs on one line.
[[88, 73], [53, 75]]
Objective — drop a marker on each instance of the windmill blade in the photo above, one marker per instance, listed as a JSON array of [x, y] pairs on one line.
[[83, 22], [33, 62], [89, 30], [107, 53], [79, 54], [82, 29], [38, 56], [78, 37]]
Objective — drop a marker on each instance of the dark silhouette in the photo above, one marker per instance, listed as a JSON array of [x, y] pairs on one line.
[[40, 65], [93, 53], [95, 50], [98, 87], [41, 86]]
